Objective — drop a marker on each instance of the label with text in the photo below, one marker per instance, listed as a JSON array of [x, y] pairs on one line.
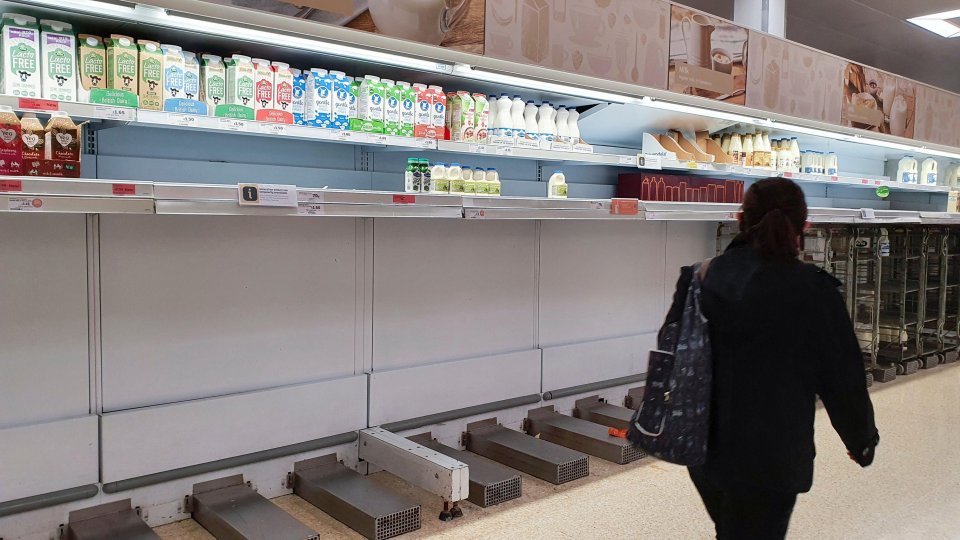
[[624, 207], [34, 104], [649, 161], [124, 189], [11, 185], [267, 195], [24, 204]]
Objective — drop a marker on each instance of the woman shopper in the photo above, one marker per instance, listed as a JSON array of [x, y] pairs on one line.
[[780, 336]]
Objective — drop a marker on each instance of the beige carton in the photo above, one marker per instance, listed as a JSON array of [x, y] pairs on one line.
[[151, 75], [92, 58], [122, 63]]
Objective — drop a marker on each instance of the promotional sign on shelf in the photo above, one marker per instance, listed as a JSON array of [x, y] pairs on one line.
[[267, 195], [707, 56], [878, 101]]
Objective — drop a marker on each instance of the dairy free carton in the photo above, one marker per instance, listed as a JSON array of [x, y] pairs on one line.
[[423, 119], [213, 81], [299, 90], [122, 65], [462, 113], [92, 58], [481, 118], [439, 113], [282, 86], [263, 84], [173, 77], [151, 75], [59, 54], [391, 108], [355, 123], [240, 75], [11, 149], [191, 76], [408, 103], [341, 100], [21, 56], [317, 98], [372, 96]]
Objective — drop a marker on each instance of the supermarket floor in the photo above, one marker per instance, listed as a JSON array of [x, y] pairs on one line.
[[912, 491]]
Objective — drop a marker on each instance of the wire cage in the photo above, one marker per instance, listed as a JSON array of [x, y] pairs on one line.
[[934, 302], [870, 245], [950, 335], [902, 291]]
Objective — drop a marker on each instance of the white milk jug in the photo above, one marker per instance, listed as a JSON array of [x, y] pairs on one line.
[[530, 121], [545, 125], [573, 126], [563, 127], [907, 170], [928, 172]]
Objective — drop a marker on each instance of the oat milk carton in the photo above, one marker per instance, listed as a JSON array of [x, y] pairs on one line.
[[341, 99], [92, 57], [423, 118], [355, 123], [372, 97], [408, 105], [462, 112], [213, 82], [282, 86], [391, 108], [58, 50], [481, 117], [439, 112], [151, 75], [263, 84], [21, 56], [317, 98], [451, 97], [191, 76], [299, 91], [173, 76], [240, 76], [122, 64]]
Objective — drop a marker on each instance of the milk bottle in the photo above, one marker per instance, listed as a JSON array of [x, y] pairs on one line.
[[455, 174], [530, 127], [282, 86], [297, 99], [317, 103], [481, 118], [573, 126], [747, 143], [263, 84], [928, 172], [21, 56], [439, 114], [470, 181], [391, 109], [58, 51], [502, 130], [92, 57], [213, 82], [794, 155], [725, 143], [173, 78], [736, 150], [423, 118], [438, 177], [191, 76], [563, 128], [340, 98], [151, 75], [240, 73], [907, 170], [518, 119], [546, 128], [833, 164], [408, 104], [775, 157], [492, 119], [557, 186], [492, 177]]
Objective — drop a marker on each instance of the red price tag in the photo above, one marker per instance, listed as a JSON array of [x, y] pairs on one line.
[[864, 181], [39, 104], [124, 189], [788, 175], [11, 185], [834, 178], [404, 199], [624, 207]]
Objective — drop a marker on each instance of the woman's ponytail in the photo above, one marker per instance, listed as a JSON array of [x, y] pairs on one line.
[[774, 214]]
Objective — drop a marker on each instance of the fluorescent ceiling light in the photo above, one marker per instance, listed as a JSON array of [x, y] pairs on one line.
[[469, 72], [939, 23], [647, 101], [845, 137], [160, 17]]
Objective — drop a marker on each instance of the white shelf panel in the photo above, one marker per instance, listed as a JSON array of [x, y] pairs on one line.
[[939, 218], [75, 205], [583, 158], [30, 185], [76, 110], [526, 208]]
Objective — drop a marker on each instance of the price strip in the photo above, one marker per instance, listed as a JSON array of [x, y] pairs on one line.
[[11, 185], [185, 120], [624, 207], [34, 104], [478, 149], [273, 129], [115, 113], [428, 144], [504, 150], [310, 210], [379, 139], [124, 189], [267, 195], [404, 199], [233, 124], [24, 204], [788, 174], [627, 160], [647, 161]]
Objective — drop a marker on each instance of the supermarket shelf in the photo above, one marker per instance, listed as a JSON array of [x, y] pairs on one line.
[[77, 111], [31, 185], [939, 218], [524, 208], [74, 205]]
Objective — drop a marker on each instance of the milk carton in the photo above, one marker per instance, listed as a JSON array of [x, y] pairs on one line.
[[191, 76], [326, 92], [92, 57], [58, 48], [423, 118], [299, 91], [282, 86], [439, 113], [341, 100], [371, 104], [355, 123], [408, 103], [263, 85], [240, 74], [448, 122], [34, 136], [462, 113], [62, 138], [11, 144], [481, 117], [21, 56], [213, 82], [151, 75], [122, 64], [391, 109], [317, 98], [173, 76]]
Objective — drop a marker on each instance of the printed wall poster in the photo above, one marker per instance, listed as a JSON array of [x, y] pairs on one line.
[[794, 80], [878, 101], [938, 115], [620, 40], [457, 24], [708, 56]]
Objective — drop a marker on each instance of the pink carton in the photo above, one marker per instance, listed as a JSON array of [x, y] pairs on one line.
[[439, 112], [423, 119]]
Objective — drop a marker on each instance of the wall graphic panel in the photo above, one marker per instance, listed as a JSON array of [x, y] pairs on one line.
[[708, 56], [878, 101], [938, 116]]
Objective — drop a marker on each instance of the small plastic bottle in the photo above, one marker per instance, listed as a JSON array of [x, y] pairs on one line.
[[469, 181], [492, 177], [557, 186], [438, 179], [480, 181], [455, 173]]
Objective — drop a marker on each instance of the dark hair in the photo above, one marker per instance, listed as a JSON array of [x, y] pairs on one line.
[[773, 218]]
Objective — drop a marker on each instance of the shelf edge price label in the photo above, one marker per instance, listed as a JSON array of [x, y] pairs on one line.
[[115, 113], [627, 160], [273, 129], [474, 213], [379, 139], [504, 150], [24, 204], [310, 209], [404, 199], [478, 149], [267, 195], [124, 189], [11, 185], [35, 104], [868, 213], [624, 207], [185, 120], [649, 161], [429, 144], [233, 124]]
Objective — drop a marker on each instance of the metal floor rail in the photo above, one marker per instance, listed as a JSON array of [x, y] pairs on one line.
[[581, 435], [593, 409], [536, 457], [353, 499], [111, 521], [229, 509], [490, 482]]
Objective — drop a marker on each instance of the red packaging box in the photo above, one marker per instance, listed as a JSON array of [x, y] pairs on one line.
[[649, 186]]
